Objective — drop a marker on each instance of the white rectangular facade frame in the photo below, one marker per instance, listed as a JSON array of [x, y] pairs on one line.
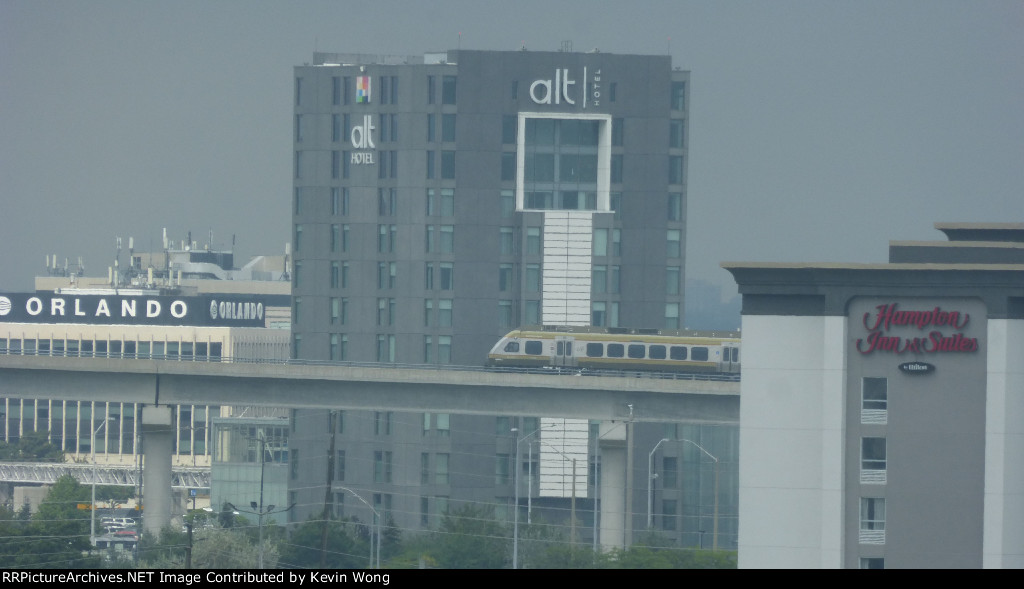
[[604, 154]]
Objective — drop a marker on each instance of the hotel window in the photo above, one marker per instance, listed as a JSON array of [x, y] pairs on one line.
[[447, 239], [561, 163], [509, 127], [533, 278], [444, 354], [616, 172], [872, 460], [672, 315], [384, 93], [298, 128], [674, 243], [296, 305], [872, 563], [668, 514], [675, 169], [428, 311], [515, 89], [675, 206], [298, 91], [431, 128], [428, 349], [444, 313], [507, 240], [599, 279], [503, 469], [336, 90], [382, 423], [872, 520], [346, 95], [672, 280], [875, 400], [335, 237], [447, 165], [425, 463], [385, 347], [298, 238], [335, 164], [505, 314], [533, 242], [344, 274], [532, 313], [504, 277], [293, 459], [335, 128], [669, 472], [600, 247], [431, 164], [508, 166], [447, 202], [431, 89], [508, 203], [448, 84], [339, 469], [446, 275], [675, 133], [598, 314], [677, 97], [334, 347], [447, 128], [335, 310], [441, 469], [381, 467]]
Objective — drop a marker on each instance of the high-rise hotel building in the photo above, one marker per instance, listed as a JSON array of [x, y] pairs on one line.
[[442, 200]]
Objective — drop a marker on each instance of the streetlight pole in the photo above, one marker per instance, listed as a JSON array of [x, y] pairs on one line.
[[714, 534], [95, 475], [377, 526], [515, 483], [650, 482]]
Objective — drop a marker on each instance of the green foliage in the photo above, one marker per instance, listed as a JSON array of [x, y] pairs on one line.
[[31, 447], [470, 538], [304, 548], [56, 536]]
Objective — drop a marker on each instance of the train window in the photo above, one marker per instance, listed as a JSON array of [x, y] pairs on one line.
[[615, 350], [595, 350], [559, 351], [636, 350], [735, 354], [534, 347], [656, 352], [699, 354], [512, 347], [677, 352]]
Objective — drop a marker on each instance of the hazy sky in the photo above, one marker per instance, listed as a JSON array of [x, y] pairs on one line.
[[819, 130]]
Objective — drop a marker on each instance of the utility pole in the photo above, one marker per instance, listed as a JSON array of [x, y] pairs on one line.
[[327, 492]]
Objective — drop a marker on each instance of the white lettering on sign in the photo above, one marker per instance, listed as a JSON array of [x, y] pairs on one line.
[[554, 91], [362, 138]]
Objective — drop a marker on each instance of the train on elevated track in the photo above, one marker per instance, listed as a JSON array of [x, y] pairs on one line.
[[618, 348]]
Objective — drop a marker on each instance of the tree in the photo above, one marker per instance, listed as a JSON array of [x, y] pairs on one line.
[[302, 550], [58, 535], [470, 538], [31, 447]]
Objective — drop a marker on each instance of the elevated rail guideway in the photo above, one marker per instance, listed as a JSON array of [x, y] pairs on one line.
[[160, 384]]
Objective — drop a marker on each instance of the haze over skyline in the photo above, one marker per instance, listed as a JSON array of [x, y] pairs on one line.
[[818, 131]]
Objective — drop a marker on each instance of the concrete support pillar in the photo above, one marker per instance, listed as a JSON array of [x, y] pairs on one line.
[[612, 449], [157, 444]]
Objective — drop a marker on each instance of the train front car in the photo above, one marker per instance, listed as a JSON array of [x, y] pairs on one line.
[[520, 349]]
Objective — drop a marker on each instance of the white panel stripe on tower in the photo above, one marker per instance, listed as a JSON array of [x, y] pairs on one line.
[[563, 441], [567, 262]]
